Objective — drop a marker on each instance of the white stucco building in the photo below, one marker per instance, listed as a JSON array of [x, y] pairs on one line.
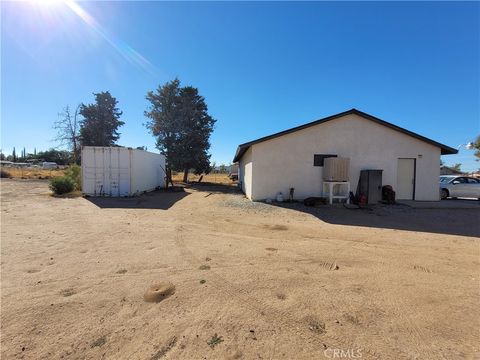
[[289, 159]]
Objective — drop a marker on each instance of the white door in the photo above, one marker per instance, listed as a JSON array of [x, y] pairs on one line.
[[405, 179]]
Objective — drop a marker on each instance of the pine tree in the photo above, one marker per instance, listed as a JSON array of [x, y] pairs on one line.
[[101, 121], [180, 121]]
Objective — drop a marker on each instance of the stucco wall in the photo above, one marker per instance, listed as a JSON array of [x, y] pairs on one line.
[[287, 161], [246, 170]]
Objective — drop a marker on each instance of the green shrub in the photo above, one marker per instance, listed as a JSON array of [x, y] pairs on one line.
[[62, 185], [74, 173]]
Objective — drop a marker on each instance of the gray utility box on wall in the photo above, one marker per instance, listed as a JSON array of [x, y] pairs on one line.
[[370, 185]]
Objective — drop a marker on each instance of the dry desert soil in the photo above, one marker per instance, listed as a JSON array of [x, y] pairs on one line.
[[233, 279]]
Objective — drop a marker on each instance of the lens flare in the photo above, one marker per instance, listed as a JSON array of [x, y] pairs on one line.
[[124, 49], [46, 2]]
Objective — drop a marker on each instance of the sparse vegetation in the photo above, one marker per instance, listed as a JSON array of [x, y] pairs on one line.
[[315, 325], [67, 292], [99, 342], [165, 349], [215, 340], [74, 172]]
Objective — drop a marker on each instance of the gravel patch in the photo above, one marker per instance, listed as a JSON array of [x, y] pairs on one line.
[[241, 202]]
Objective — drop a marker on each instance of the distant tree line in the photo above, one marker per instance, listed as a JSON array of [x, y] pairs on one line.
[[61, 157]]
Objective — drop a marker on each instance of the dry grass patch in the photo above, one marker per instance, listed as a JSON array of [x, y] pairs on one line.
[[99, 342], [68, 292], [315, 325], [210, 178], [34, 173]]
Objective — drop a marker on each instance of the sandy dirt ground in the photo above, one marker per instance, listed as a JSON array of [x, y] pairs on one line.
[[252, 281]]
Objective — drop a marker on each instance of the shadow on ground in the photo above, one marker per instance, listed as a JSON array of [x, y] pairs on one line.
[[441, 220], [159, 199], [214, 188]]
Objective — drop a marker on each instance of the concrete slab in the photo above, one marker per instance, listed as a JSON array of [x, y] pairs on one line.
[[443, 204]]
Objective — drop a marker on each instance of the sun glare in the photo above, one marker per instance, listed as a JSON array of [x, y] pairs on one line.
[[49, 16], [46, 3]]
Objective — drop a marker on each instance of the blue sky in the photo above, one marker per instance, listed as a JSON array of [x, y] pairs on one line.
[[262, 67]]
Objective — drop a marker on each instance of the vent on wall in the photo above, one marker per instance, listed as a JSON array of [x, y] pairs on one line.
[[319, 159]]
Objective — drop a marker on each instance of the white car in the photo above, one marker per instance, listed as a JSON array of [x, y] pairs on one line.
[[459, 186]]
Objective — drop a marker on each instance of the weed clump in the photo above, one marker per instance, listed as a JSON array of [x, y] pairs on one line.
[[62, 185]]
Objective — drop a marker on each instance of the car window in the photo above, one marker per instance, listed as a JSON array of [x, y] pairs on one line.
[[445, 179], [472, 181], [461, 180]]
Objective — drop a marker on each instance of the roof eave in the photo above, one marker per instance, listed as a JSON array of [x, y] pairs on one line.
[[444, 149], [447, 150]]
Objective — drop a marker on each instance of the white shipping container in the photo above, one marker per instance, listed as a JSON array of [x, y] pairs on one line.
[[118, 171]]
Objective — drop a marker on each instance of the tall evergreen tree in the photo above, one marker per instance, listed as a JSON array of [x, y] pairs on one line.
[[180, 121], [101, 120]]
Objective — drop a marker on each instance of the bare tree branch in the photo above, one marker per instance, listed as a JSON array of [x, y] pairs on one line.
[[68, 130]]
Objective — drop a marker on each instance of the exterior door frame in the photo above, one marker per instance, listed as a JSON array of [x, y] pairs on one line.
[[414, 173]]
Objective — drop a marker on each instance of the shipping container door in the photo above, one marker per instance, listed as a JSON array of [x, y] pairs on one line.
[[105, 178], [98, 170], [122, 170], [113, 176], [88, 171]]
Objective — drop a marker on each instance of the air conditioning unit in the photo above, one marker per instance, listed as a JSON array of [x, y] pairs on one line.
[[336, 169]]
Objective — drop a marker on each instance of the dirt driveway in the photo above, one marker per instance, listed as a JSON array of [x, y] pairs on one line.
[[253, 281]]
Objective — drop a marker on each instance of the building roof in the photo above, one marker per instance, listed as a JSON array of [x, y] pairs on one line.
[[445, 150]]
